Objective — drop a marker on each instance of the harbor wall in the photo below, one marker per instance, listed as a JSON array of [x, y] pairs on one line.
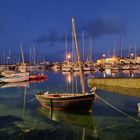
[[115, 82]]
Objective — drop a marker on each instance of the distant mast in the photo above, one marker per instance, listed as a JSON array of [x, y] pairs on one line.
[[90, 49], [121, 43], [66, 45], [22, 54], [135, 51], [114, 53], [79, 59]]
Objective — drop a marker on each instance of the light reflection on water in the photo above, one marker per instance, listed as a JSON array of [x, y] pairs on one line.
[[118, 73], [21, 116]]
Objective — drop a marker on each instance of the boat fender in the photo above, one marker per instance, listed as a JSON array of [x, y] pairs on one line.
[[93, 89], [138, 104], [47, 92], [88, 93]]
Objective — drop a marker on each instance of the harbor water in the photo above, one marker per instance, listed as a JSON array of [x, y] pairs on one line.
[[114, 115]]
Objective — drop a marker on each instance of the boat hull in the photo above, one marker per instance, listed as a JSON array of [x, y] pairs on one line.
[[69, 102], [37, 77], [15, 79]]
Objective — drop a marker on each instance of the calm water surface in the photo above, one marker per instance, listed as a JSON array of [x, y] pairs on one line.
[[22, 117]]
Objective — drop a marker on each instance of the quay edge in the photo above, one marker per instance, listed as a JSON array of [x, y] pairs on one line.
[[115, 82]]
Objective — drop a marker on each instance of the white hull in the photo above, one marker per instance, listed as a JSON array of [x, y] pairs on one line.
[[86, 68], [15, 79], [13, 73]]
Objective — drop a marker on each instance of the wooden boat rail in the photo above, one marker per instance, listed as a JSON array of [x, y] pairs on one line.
[[47, 95]]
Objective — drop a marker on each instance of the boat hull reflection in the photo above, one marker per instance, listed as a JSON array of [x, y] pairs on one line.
[[82, 119], [14, 85]]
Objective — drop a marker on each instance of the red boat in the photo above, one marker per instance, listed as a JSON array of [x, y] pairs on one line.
[[38, 77]]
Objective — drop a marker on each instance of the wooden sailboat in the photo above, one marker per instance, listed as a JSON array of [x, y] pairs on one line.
[[80, 102]]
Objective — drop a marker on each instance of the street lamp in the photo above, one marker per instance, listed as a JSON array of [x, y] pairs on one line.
[[68, 57], [103, 55], [132, 55]]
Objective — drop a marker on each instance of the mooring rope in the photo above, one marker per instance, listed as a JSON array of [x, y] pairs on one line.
[[31, 100], [133, 118]]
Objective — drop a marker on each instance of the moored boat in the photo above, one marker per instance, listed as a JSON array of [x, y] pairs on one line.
[[38, 77], [65, 101], [14, 79]]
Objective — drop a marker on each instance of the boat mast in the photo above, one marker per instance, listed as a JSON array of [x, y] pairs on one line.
[[66, 45], [121, 45], [114, 53], [83, 35], [90, 54], [22, 54], [79, 59]]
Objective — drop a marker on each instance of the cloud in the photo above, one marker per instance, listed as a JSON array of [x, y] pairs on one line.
[[51, 37], [103, 26], [98, 27]]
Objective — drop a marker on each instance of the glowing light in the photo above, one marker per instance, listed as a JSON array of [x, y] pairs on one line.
[[68, 56], [69, 78], [103, 55], [132, 75], [104, 75]]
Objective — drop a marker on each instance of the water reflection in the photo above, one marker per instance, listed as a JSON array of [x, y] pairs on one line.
[[21, 116], [13, 85], [81, 120], [119, 73], [20, 84]]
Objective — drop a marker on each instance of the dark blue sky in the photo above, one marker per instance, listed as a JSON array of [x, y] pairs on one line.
[[45, 23]]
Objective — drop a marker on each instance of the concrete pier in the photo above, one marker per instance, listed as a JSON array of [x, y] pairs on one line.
[[115, 82]]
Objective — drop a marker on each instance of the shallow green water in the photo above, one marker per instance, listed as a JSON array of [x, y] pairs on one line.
[[21, 116]]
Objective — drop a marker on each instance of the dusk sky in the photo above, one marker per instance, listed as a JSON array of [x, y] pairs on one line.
[[44, 23]]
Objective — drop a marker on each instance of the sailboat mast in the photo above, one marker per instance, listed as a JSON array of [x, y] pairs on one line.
[[83, 35], [22, 54], [79, 59], [115, 45], [66, 45], [90, 54], [121, 49]]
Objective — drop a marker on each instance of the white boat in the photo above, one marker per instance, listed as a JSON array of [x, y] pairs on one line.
[[67, 67], [14, 79], [9, 73], [86, 68]]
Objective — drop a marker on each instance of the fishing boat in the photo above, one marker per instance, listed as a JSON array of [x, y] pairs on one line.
[[64, 101]]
